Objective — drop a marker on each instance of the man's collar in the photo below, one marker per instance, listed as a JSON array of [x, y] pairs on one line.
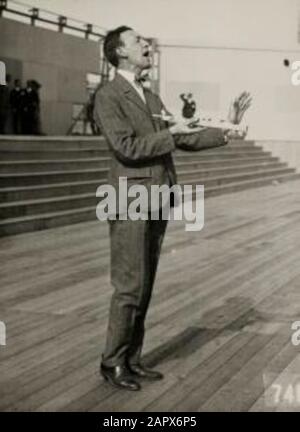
[[128, 75], [130, 91]]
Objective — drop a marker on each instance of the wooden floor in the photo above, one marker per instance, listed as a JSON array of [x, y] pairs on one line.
[[219, 325]]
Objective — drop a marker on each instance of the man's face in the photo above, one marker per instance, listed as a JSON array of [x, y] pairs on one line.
[[135, 49]]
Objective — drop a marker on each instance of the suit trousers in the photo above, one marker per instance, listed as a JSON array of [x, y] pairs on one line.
[[135, 251]]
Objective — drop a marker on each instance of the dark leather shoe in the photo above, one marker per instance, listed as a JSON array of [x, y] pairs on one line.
[[119, 376], [142, 372]]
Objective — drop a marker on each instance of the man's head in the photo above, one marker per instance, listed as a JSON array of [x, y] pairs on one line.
[[123, 47], [17, 83], [35, 85]]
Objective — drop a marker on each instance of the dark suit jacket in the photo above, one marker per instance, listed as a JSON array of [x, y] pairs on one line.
[[142, 145]]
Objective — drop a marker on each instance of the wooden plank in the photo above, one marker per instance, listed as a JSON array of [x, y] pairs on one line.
[[215, 327]]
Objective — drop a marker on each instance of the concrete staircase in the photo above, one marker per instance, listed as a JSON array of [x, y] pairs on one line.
[[49, 182]]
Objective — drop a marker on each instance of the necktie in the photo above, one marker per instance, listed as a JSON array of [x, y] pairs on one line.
[[139, 80]]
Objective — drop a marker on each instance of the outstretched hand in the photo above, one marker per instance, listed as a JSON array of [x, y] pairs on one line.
[[185, 127], [240, 135], [238, 107]]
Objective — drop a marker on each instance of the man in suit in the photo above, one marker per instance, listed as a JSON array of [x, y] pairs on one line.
[[141, 144], [16, 101], [31, 109], [4, 106]]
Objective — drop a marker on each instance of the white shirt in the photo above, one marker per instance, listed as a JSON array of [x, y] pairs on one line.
[[130, 77]]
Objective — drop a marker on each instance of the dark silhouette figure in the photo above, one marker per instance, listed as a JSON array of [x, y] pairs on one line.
[[189, 105], [31, 109], [90, 114], [4, 105], [16, 106]]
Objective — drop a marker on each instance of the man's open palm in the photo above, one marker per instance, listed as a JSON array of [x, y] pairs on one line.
[[238, 108]]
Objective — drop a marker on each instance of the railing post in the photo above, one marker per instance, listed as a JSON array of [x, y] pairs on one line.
[[62, 22], [34, 15], [3, 6], [89, 30]]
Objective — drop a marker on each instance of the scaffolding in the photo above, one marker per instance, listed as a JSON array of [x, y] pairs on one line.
[[82, 123]]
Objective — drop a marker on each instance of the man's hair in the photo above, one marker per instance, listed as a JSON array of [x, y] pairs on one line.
[[112, 42]]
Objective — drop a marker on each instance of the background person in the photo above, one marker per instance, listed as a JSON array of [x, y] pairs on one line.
[[16, 102], [31, 109], [4, 105]]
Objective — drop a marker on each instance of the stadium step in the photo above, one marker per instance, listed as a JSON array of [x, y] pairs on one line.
[[33, 143], [48, 182], [40, 191], [208, 155], [66, 202], [49, 166], [20, 225], [13, 154], [31, 166], [38, 178]]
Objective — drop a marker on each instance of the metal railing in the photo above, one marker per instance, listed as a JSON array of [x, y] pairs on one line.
[[35, 16], [46, 19]]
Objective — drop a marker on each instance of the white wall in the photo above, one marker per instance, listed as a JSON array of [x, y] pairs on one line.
[[215, 76], [234, 45], [266, 23]]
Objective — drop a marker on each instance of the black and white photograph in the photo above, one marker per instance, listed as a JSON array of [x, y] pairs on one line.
[[149, 208]]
